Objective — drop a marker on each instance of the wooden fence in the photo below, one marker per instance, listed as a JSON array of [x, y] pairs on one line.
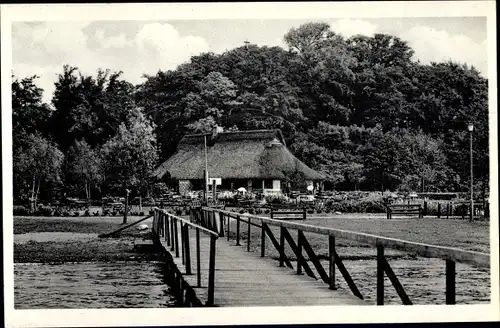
[[176, 232], [218, 220]]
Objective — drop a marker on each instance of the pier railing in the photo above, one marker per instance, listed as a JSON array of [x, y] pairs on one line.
[[219, 220], [176, 233]]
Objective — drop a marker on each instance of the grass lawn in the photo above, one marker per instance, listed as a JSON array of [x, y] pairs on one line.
[[97, 225], [62, 246]]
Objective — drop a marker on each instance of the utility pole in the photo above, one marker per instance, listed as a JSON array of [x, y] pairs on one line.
[[470, 127]]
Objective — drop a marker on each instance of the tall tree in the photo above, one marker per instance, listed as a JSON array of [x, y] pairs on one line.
[[89, 108], [84, 165], [37, 162], [29, 113], [131, 155]]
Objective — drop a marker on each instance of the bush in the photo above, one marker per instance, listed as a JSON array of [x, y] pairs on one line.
[[114, 213], [251, 211], [242, 211], [96, 213], [44, 210], [276, 199], [76, 213], [141, 213], [151, 212], [362, 203], [178, 212], [20, 210], [267, 211], [87, 213]]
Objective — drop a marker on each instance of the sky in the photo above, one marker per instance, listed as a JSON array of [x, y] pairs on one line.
[[144, 47]]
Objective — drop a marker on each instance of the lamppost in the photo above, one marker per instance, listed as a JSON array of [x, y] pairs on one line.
[[206, 172], [470, 127]]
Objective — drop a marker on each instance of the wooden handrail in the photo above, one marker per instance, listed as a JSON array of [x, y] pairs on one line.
[[425, 250], [188, 222], [166, 225]]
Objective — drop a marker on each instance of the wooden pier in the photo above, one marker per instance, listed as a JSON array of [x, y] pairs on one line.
[[210, 270], [245, 279]]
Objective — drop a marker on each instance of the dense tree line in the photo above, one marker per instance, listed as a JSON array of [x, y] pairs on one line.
[[360, 110]]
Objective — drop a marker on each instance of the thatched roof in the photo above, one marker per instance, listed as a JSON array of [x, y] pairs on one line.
[[235, 155]]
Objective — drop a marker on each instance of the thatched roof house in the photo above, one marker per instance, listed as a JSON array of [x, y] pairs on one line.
[[257, 159]]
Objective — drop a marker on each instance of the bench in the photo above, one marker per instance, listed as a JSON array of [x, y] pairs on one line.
[[404, 209], [300, 214]]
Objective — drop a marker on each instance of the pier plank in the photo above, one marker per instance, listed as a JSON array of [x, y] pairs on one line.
[[246, 279]]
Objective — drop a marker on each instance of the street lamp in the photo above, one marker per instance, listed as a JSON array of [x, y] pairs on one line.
[[470, 127], [206, 172]]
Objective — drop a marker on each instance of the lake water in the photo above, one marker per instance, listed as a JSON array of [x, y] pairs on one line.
[[423, 280], [90, 285]]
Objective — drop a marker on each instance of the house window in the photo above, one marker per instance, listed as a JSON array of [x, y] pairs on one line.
[[268, 184]]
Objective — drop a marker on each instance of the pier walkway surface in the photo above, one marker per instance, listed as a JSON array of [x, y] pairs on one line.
[[205, 269], [245, 279]]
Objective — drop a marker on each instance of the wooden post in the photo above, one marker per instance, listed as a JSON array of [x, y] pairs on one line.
[[304, 213], [221, 225], [179, 286], [439, 211], [176, 239], [282, 246], [248, 234], [425, 208], [272, 212], [211, 272], [214, 222], [167, 229], [450, 282], [238, 230], [198, 260], [331, 249], [181, 289], [228, 226], [447, 210], [299, 252], [380, 275], [188, 255], [183, 240], [263, 240], [164, 227], [172, 233], [214, 192]]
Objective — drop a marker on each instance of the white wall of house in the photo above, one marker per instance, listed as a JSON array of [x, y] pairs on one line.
[[275, 190]]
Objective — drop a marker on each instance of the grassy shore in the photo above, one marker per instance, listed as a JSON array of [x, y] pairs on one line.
[[62, 246]]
